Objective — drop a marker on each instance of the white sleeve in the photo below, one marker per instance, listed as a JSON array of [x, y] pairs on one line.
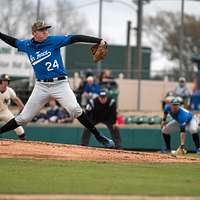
[[12, 93]]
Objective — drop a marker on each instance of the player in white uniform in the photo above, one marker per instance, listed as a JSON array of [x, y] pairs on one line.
[[6, 95]]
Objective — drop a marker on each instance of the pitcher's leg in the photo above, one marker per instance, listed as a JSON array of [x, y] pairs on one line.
[[37, 100], [39, 97], [7, 116], [67, 99], [85, 137], [21, 133]]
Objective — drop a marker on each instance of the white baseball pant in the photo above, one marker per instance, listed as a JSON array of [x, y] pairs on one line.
[[41, 95]]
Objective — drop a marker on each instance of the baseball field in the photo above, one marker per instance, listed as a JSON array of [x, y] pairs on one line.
[[38, 170]]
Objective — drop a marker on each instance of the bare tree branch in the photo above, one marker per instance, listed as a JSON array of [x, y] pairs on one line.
[[16, 17], [164, 29]]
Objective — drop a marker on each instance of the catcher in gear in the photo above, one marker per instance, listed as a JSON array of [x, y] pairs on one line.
[[182, 119], [99, 51]]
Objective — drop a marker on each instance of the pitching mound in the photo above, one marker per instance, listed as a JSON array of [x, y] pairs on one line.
[[44, 150]]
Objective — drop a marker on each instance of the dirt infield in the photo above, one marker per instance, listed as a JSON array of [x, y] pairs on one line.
[[43, 150]]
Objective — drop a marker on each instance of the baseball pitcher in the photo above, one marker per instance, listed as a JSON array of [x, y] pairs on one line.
[[44, 55]]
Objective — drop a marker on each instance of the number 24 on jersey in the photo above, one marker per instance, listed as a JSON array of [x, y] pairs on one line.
[[50, 66]]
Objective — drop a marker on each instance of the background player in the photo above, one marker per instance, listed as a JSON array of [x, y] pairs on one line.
[[102, 109], [182, 118], [51, 81], [6, 95]]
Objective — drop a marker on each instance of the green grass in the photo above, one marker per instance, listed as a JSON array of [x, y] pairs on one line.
[[24, 176]]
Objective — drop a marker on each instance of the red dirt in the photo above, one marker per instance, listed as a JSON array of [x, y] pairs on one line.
[[44, 150]]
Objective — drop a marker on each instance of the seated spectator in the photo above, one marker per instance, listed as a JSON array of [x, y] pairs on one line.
[[105, 75], [108, 83], [52, 111], [79, 91], [182, 91], [91, 90], [64, 116]]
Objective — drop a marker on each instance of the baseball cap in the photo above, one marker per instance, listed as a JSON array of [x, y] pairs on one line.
[[102, 93], [182, 79], [5, 77], [39, 25], [175, 101]]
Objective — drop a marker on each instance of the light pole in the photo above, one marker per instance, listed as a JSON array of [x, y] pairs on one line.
[[38, 10], [139, 49], [100, 19], [129, 52], [181, 39], [99, 64]]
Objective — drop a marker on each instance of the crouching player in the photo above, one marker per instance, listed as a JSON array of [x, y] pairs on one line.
[[182, 119]]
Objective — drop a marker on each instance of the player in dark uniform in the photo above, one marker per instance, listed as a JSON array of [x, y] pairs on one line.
[[102, 109]]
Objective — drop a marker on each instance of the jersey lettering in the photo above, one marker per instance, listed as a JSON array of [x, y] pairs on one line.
[[41, 57], [51, 67]]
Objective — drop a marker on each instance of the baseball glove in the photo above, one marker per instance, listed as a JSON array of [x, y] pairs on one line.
[[181, 150], [99, 51]]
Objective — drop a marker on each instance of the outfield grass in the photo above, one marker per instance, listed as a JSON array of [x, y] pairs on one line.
[[24, 176]]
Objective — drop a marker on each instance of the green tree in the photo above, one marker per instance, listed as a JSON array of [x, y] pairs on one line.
[[164, 29]]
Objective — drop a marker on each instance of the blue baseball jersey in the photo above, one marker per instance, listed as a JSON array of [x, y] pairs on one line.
[[183, 116], [45, 57]]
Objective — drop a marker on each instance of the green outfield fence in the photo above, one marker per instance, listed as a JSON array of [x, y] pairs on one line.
[[140, 138]]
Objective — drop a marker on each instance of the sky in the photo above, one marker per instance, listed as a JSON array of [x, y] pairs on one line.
[[116, 14]]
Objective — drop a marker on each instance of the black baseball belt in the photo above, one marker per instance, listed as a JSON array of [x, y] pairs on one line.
[[53, 79]]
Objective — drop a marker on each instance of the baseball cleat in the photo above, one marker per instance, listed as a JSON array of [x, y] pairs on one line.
[[165, 151], [22, 137], [108, 143], [198, 150]]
